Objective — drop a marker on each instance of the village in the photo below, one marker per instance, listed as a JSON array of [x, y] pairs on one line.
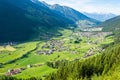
[[51, 46], [61, 45], [70, 44]]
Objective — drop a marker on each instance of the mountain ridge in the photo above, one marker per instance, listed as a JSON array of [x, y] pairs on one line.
[[70, 13], [21, 16], [112, 24]]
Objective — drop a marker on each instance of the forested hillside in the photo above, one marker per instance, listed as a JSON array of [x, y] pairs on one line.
[[23, 20], [111, 24]]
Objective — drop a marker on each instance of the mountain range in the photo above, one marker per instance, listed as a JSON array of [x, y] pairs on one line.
[[70, 13], [23, 20]]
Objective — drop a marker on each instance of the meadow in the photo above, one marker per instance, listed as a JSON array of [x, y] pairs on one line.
[[24, 54]]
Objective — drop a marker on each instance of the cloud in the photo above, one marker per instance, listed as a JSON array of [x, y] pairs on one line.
[[91, 6]]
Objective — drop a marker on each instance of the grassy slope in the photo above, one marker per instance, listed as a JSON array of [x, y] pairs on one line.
[[21, 50], [7, 48], [36, 72]]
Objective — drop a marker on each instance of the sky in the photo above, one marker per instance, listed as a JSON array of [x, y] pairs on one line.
[[90, 6]]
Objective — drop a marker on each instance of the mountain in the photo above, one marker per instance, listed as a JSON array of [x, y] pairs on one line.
[[111, 24], [72, 14], [100, 16], [21, 20]]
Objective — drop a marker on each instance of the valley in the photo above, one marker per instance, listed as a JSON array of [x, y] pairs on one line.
[[59, 40], [34, 56]]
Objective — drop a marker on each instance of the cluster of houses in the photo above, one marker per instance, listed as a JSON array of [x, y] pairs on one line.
[[92, 51], [56, 46], [11, 72], [93, 34], [100, 36], [14, 71], [52, 46], [45, 52], [89, 29]]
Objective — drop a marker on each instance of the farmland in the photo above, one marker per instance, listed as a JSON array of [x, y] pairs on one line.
[[69, 46]]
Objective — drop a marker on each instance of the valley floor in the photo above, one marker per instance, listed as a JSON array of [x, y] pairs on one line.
[[30, 59]]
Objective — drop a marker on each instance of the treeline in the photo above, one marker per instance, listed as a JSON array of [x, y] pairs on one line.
[[117, 36], [14, 78]]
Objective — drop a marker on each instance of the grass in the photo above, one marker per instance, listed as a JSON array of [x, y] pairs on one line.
[[33, 58], [21, 49], [65, 33], [7, 48], [35, 72]]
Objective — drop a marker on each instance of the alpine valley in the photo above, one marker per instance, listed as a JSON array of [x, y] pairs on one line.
[[40, 41]]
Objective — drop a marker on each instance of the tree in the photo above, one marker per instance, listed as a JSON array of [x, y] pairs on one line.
[[117, 36]]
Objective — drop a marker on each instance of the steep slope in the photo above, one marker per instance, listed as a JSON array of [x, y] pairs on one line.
[[100, 16], [30, 19], [13, 22], [21, 20], [72, 14], [111, 24]]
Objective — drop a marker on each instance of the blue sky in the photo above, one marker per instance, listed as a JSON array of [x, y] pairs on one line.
[[91, 6]]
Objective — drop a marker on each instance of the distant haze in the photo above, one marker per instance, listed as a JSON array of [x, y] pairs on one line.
[[100, 16], [90, 6]]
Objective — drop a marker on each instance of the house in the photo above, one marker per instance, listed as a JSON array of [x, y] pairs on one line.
[[13, 72], [29, 66]]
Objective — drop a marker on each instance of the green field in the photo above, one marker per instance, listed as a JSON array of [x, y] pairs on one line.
[[25, 54], [7, 48]]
